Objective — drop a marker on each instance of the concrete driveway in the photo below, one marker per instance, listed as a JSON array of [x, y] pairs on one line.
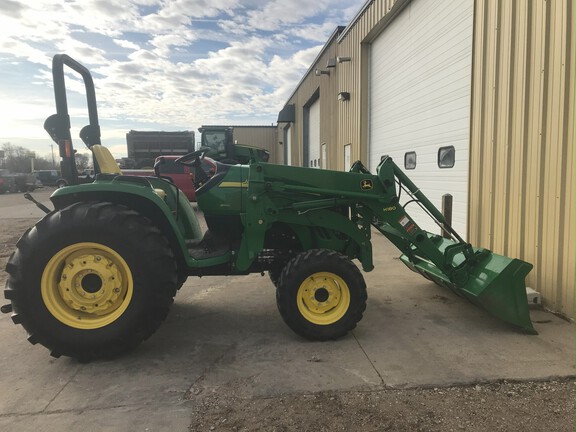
[[225, 334]]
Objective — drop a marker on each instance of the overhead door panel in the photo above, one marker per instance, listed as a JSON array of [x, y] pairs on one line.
[[288, 145], [314, 135], [420, 87]]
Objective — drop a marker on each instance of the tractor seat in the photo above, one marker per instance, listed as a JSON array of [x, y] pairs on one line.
[[108, 165], [105, 160]]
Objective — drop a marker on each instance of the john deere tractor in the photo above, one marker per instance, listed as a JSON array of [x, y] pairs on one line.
[[219, 144], [97, 275]]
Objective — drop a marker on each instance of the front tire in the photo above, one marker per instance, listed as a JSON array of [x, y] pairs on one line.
[[321, 295], [91, 281]]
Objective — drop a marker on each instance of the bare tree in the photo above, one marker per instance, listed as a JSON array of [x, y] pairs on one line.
[[18, 159], [82, 161]]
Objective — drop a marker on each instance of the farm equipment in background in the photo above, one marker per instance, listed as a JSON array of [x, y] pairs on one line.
[[221, 147], [97, 275]]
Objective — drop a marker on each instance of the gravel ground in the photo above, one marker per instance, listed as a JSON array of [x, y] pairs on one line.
[[505, 406]]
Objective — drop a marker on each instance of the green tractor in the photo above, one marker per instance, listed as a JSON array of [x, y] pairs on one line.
[[97, 275], [219, 144]]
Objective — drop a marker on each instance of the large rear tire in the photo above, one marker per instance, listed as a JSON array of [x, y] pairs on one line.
[[321, 294], [91, 281]]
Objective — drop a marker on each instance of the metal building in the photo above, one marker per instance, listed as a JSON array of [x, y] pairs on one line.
[[474, 98]]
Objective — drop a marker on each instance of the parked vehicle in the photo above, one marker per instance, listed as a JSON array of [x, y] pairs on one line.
[[25, 182], [6, 183], [168, 167], [17, 182], [86, 176], [47, 177]]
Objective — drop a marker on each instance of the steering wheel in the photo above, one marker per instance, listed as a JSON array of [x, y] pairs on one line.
[[190, 159], [194, 160]]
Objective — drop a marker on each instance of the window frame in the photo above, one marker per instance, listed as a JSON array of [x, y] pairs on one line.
[[406, 167], [446, 148]]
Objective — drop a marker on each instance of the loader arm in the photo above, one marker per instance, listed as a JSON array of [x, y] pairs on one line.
[[315, 198], [493, 282]]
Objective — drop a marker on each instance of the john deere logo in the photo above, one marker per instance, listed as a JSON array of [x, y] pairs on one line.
[[366, 185]]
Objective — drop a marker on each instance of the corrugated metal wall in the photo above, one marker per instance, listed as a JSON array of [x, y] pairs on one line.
[[522, 132], [326, 85], [342, 122], [352, 119], [265, 137], [522, 140]]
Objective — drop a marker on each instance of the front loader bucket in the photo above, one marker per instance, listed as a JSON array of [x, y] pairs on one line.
[[495, 283]]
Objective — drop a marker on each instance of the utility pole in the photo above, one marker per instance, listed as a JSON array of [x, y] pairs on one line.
[[53, 161]]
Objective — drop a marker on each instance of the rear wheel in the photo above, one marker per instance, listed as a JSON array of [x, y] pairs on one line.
[[91, 281], [321, 294]]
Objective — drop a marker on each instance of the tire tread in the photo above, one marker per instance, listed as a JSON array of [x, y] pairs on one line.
[[152, 245], [290, 279]]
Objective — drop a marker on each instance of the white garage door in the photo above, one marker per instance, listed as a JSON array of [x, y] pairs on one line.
[[314, 135], [420, 87], [288, 145]]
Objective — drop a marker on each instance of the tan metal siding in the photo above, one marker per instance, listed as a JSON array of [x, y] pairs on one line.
[[327, 86], [522, 128], [522, 140], [352, 119], [265, 137], [342, 122]]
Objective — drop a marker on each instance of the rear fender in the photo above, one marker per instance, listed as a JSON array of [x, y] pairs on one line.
[[175, 223]]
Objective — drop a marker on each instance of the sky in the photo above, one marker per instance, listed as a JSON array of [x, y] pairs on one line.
[[158, 64]]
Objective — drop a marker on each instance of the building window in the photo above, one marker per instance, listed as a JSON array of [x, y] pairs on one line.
[[446, 157], [410, 160]]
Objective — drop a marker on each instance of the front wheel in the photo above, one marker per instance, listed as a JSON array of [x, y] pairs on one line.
[[91, 280], [321, 294]]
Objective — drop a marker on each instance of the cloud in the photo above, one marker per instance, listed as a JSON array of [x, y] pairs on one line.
[[276, 13], [126, 44], [314, 32], [11, 8], [81, 50], [161, 64], [166, 43]]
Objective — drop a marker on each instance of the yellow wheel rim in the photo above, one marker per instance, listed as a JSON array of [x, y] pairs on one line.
[[87, 286], [323, 298]]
